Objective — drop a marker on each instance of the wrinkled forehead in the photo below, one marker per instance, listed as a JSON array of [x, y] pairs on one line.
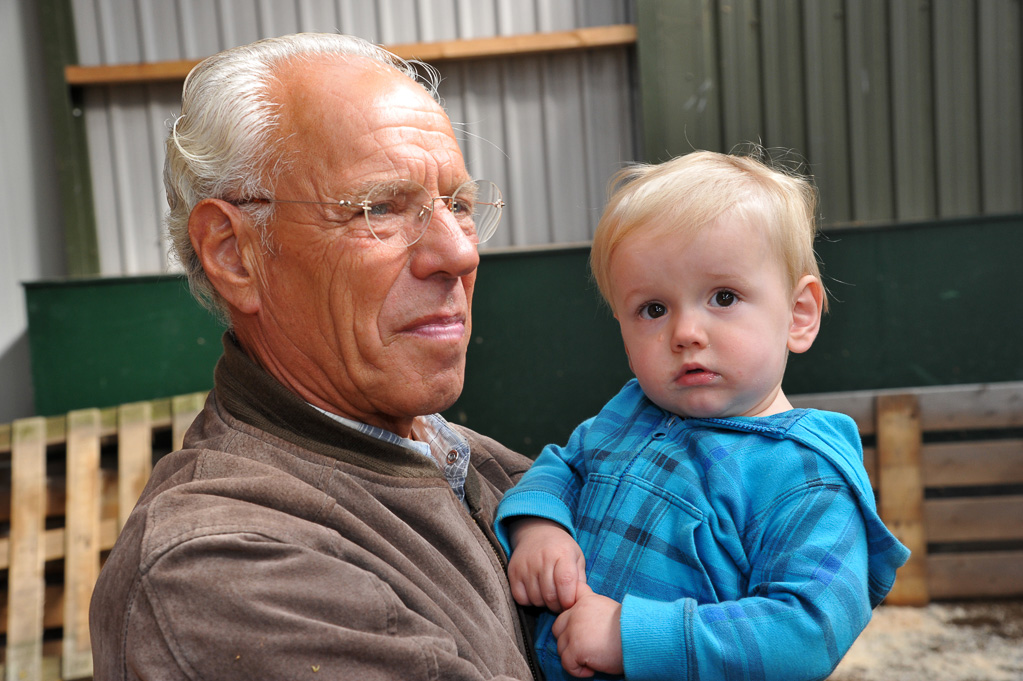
[[354, 116]]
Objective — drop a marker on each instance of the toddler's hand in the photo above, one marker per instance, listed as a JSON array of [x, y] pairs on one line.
[[590, 635], [546, 564]]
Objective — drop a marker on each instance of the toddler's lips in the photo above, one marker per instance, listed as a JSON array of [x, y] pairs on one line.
[[692, 375]]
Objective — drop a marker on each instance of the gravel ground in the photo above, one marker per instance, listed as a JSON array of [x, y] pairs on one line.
[[964, 641]]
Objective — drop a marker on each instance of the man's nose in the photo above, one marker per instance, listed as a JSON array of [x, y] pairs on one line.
[[444, 248]]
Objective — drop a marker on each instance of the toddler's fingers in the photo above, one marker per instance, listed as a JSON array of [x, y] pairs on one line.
[[568, 659], [549, 590], [518, 590], [566, 581]]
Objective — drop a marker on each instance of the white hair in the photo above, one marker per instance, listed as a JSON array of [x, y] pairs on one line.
[[223, 143]]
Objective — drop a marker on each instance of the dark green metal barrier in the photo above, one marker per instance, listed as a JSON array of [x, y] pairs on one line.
[[913, 305], [103, 342]]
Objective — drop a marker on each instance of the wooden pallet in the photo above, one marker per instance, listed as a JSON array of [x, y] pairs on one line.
[[957, 503], [92, 503], [947, 467]]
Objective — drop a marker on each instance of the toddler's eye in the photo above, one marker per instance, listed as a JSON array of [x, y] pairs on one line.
[[725, 299], [652, 311]]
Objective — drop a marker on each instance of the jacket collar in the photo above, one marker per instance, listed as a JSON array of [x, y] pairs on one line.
[[255, 397]]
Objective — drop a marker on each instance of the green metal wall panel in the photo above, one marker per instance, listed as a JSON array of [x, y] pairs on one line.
[[827, 107], [918, 304], [102, 342], [956, 123], [677, 54], [741, 70], [870, 124], [784, 91], [1001, 105], [904, 111], [913, 144]]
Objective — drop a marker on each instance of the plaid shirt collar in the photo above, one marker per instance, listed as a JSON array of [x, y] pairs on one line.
[[435, 439]]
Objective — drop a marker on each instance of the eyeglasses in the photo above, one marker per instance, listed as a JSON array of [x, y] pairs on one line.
[[399, 212]]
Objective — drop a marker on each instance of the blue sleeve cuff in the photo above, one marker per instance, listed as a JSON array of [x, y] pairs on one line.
[[656, 641], [530, 503]]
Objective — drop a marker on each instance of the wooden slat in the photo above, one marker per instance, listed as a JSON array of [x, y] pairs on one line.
[[994, 518], [25, 577], [184, 409], [975, 406], [53, 547], [995, 574], [53, 611], [901, 491], [134, 456], [448, 50], [56, 501], [56, 425], [973, 464], [82, 539], [992, 405], [870, 463], [51, 662]]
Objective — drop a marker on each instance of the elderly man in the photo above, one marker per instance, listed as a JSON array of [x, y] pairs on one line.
[[322, 521]]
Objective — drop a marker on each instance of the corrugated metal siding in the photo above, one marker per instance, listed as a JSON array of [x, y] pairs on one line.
[[31, 237], [905, 109], [550, 130]]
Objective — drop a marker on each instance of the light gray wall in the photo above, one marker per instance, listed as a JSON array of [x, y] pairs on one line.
[[550, 130], [30, 229]]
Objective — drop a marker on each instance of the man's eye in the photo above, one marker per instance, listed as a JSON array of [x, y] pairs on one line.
[[461, 206], [725, 299], [380, 209], [652, 311]]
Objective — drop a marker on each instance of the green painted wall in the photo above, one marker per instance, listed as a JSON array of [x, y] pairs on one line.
[[922, 304], [102, 342]]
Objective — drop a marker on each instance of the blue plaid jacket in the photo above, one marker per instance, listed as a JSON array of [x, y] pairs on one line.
[[740, 548]]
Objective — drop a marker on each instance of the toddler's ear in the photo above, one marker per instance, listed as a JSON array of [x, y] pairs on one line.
[[807, 304]]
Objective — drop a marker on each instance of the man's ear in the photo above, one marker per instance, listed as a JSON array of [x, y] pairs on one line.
[[220, 234], [807, 305]]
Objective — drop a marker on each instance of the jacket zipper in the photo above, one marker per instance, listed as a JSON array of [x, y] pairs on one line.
[[526, 638]]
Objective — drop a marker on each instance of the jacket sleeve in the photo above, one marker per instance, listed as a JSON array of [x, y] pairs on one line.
[[806, 601], [251, 618], [550, 488]]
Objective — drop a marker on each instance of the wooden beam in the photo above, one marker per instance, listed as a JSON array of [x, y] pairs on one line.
[[619, 35], [82, 540], [56, 426], [53, 542], [134, 456], [184, 409], [993, 574], [974, 406], [973, 463], [901, 492], [26, 587], [974, 519]]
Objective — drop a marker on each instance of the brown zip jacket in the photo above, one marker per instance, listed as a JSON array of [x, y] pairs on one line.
[[279, 544]]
